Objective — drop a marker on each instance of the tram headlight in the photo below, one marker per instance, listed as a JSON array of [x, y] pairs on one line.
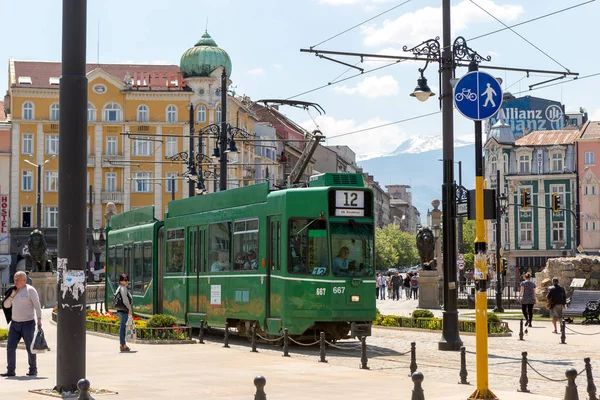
[[355, 299]]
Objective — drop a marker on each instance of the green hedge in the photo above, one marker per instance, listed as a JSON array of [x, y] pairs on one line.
[[495, 324], [3, 334]]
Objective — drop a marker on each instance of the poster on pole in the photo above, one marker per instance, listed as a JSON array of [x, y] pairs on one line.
[[480, 272]]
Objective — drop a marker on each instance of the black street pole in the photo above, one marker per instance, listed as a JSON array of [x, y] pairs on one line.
[[577, 213], [72, 171], [461, 244], [192, 162], [39, 197], [498, 307], [172, 189], [223, 135], [450, 336], [89, 234]]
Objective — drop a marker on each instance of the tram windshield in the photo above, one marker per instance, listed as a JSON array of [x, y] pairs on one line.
[[352, 249]]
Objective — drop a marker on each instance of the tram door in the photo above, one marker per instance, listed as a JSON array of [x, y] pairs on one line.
[[274, 263], [197, 261]]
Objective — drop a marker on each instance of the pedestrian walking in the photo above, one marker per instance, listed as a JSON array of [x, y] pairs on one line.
[[527, 296], [396, 284], [414, 286], [124, 306], [406, 284], [21, 305], [388, 282], [557, 301], [377, 286], [382, 284]]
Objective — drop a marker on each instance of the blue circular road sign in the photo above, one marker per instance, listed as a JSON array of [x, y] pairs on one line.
[[478, 95]]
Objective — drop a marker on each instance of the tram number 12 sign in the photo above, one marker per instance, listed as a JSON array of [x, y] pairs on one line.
[[349, 203]]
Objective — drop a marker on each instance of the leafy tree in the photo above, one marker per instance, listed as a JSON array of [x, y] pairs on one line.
[[408, 254], [469, 242], [394, 247]]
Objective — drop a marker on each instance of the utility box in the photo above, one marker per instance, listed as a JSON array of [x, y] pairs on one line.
[[489, 204]]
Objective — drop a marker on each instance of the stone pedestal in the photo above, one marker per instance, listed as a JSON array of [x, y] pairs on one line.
[[429, 291], [45, 284]]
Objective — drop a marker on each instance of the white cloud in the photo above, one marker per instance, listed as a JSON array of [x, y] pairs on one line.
[[256, 71], [278, 67], [414, 27], [595, 116], [372, 87], [367, 144], [353, 2]]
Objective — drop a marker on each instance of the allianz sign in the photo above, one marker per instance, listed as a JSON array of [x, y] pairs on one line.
[[528, 114]]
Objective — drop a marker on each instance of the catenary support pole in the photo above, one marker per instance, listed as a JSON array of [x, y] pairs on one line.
[[499, 187], [38, 217], [223, 135], [90, 238], [192, 161], [72, 171], [450, 336]]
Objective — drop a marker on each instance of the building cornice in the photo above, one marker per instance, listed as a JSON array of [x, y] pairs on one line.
[[161, 96], [33, 92]]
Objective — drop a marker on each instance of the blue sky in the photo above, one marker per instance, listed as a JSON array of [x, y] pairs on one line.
[[263, 39]]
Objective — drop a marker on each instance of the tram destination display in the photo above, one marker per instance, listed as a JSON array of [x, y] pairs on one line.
[[349, 203]]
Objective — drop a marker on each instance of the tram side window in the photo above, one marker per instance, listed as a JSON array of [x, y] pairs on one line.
[[175, 244], [111, 264], [138, 265], [219, 236], [307, 244], [147, 270], [245, 245], [118, 263]]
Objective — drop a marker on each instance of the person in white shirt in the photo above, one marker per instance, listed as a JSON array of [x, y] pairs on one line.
[[25, 304]]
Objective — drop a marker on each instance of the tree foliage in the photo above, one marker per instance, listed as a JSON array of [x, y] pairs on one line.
[[469, 242], [394, 247]]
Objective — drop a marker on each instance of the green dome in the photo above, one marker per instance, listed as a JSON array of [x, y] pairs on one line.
[[202, 59]]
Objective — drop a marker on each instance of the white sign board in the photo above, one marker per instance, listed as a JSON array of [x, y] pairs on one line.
[[462, 209], [349, 199], [4, 228], [577, 282], [215, 295]]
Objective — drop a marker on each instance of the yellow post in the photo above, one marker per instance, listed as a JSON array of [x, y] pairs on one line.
[[480, 276]]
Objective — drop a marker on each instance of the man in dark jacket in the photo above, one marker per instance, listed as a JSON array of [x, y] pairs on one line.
[[558, 301], [406, 285], [8, 310], [396, 284]]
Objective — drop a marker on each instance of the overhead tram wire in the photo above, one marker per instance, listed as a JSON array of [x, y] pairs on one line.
[[384, 125], [471, 39], [519, 35], [357, 25], [560, 83]]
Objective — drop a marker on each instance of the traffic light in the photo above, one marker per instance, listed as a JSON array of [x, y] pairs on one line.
[[555, 202], [525, 200]]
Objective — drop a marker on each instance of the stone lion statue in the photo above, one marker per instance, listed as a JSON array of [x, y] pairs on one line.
[[426, 248], [37, 252]]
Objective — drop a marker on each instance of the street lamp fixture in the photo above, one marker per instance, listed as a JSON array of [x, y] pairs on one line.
[[436, 231], [39, 187], [422, 92]]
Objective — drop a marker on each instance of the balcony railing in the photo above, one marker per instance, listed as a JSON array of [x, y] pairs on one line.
[[115, 197], [91, 160], [113, 161]]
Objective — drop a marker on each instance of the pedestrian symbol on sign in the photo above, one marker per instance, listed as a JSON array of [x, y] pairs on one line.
[[490, 93]]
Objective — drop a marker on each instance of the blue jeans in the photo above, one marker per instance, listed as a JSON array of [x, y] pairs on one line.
[[123, 317], [17, 331], [382, 292]]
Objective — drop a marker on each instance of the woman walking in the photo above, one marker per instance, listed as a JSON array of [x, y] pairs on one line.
[[124, 306], [527, 298]]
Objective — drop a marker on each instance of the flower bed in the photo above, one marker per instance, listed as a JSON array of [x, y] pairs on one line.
[[495, 326], [3, 334], [108, 322]]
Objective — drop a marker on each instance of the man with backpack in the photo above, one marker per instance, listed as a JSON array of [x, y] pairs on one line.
[[414, 286], [557, 301]]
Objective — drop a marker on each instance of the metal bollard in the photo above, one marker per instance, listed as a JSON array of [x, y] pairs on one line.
[[322, 348], [591, 388], [413, 358], [523, 380], [201, 334], [254, 339], [563, 333], [260, 383], [417, 393], [463, 366], [226, 340], [363, 353], [521, 329], [571, 389], [286, 343], [84, 386]]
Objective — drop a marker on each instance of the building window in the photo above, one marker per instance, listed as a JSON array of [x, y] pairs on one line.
[[28, 111], [91, 112], [143, 113], [111, 145], [589, 190], [526, 232], [140, 184], [26, 216], [201, 113], [557, 162], [171, 113], [493, 166], [27, 144], [589, 157], [54, 112], [51, 181], [51, 217], [524, 164], [171, 182], [560, 190], [142, 147], [218, 114], [110, 182], [27, 181], [171, 146], [52, 144], [558, 231], [505, 161], [112, 113]]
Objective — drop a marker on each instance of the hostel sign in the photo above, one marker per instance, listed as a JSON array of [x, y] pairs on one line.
[[528, 114], [4, 228]]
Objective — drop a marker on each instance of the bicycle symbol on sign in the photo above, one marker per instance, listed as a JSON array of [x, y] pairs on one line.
[[465, 94]]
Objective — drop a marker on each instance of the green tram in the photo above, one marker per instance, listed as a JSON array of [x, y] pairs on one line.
[[300, 258]]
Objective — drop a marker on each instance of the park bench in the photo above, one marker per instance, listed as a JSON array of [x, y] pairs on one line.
[[586, 304]]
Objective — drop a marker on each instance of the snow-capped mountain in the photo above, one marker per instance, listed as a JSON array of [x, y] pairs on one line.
[[418, 144]]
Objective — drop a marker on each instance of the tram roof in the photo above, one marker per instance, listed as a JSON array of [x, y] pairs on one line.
[[139, 216]]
